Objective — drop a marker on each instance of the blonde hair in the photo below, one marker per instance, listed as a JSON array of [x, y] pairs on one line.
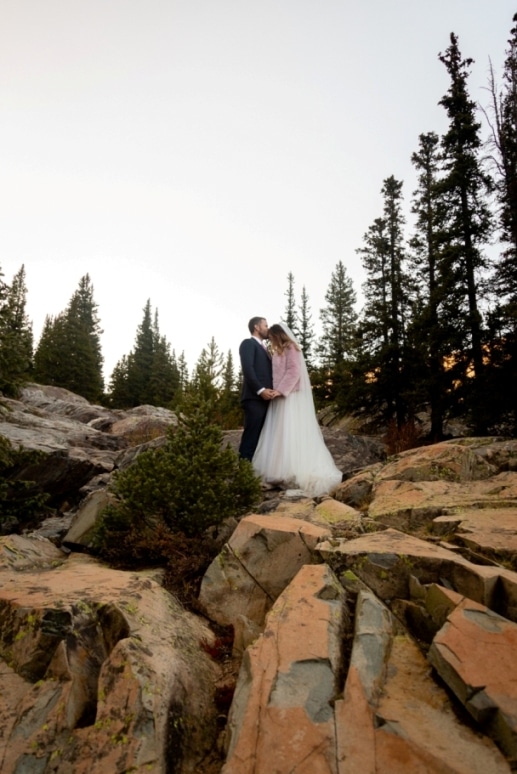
[[279, 339]]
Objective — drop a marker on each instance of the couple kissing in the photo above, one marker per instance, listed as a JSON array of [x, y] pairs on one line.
[[281, 436]]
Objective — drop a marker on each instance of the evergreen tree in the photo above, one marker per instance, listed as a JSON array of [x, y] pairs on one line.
[[433, 341], [503, 321], [3, 301], [336, 346], [207, 374], [214, 384], [464, 189], [305, 329], [384, 317], [118, 389], [49, 352], [140, 362], [149, 374], [3, 289], [83, 333], [229, 403], [504, 136], [164, 376], [338, 319], [183, 371], [189, 484], [6, 385], [69, 351], [16, 340], [290, 314], [228, 376]]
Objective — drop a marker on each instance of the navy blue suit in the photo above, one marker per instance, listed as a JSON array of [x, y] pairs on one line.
[[257, 373]]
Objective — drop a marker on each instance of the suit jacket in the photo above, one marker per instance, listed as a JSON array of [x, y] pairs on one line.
[[257, 370]]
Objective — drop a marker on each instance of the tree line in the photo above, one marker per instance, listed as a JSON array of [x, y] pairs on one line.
[[437, 330], [69, 355]]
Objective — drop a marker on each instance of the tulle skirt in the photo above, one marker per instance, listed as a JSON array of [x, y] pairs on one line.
[[291, 448]]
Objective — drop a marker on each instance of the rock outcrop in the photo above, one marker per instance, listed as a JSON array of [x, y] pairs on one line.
[[282, 718], [295, 709], [474, 654], [81, 444], [77, 441], [101, 670], [261, 558], [375, 632], [393, 716], [416, 612]]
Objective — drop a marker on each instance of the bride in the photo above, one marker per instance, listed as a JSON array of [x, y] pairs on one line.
[[291, 448]]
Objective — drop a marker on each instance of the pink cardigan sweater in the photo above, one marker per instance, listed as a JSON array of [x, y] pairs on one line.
[[286, 371]]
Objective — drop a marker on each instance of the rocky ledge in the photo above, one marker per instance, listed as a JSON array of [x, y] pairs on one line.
[[374, 631], [393, 648]]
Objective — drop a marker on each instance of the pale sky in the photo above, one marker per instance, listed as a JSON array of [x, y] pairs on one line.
[[194, 152]]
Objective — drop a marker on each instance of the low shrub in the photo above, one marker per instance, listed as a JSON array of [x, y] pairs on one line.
[[398, 439], [21, 502], [174, 494]]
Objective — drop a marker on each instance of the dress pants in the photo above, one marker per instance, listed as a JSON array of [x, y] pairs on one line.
[[254, 415]]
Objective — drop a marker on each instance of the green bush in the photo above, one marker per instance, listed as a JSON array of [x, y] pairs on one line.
[[21, 503], [187, 485]]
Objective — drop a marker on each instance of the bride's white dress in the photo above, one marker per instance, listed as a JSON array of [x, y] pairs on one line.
[[291, 447]]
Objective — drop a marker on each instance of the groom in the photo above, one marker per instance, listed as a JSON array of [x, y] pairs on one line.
[[257, 386]]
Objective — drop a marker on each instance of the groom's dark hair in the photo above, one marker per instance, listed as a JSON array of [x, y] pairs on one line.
[[254, 321]]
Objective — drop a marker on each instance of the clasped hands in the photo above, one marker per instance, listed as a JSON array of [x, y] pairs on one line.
[[268, 394]]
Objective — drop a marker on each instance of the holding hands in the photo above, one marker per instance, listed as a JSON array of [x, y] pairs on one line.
[[268, 394]]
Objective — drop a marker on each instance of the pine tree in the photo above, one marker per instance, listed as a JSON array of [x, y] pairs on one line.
[[118, 389], [49, 352], [3, 290], [16, 340], [229, 380], [69, 350], [305, 329], [504, 137], [464, 189], [149, 374], [206, 384], [6, 384], [433, 341], [385, 312], [140, 362], [189, 484], [206, 377], [184, 376], [336, 346], [164, 376], [84, 346], [338, 319], [290, 314], [230, 411], [503, 320]]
